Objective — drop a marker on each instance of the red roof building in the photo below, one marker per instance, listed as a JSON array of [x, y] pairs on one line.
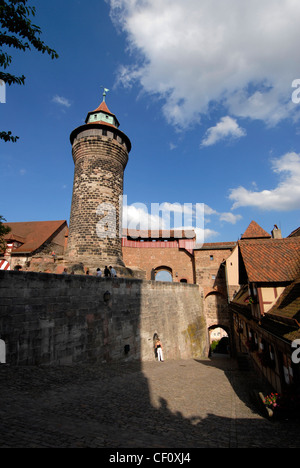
[[266, 309], [32, 241]]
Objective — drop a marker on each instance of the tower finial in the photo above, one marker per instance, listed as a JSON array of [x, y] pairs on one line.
[[104, 92]]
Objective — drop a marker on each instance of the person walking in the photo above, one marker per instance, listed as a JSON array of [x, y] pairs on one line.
[[159, 349]]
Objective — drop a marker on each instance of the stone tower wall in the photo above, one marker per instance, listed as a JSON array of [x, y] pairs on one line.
[[68, 319], [100, 161]]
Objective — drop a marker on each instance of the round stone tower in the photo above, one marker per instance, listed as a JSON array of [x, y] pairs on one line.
[[100, 153]]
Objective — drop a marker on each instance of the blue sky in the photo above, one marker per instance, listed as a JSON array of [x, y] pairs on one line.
[[203, 89]]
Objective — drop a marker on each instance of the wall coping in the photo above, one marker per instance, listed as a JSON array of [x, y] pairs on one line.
[[32, 275]]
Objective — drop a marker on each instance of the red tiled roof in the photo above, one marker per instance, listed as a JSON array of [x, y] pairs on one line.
[[294, 233], [33, 234], [271, 260], [284, 317], [159, 234], [216, 246], [102, 122], [254, 231], [288, 304], [102, 108]]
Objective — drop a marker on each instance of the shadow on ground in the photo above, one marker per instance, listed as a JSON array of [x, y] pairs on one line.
[[176, 404]]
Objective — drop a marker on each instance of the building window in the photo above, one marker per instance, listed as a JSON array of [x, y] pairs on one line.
[[163, 275], [211, 257]]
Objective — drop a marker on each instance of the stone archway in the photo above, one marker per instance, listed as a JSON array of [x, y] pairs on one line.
[[215, 309], [219, 339]]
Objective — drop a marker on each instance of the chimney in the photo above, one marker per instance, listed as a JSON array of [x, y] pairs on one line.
[[276, 233]]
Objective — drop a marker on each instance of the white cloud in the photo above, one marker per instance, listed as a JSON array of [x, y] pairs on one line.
[[230, 218], [62, 101], [226, 128], [223, 216], [183, 216], [195, 54], [137, 217], [166, 216], [204, 235], [285, 197], [208, 210]]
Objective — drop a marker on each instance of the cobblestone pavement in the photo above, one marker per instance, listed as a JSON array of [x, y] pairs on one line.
[[173, 404]]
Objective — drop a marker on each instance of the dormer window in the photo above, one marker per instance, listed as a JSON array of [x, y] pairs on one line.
[[101, 117], [102, 114]]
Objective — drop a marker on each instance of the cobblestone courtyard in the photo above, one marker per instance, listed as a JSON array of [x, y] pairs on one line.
[[182, 404]]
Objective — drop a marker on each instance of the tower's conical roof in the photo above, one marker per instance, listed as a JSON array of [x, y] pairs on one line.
[[102, 115], [103, 107], [100, 118]]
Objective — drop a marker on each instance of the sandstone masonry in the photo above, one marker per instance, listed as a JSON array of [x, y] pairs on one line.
[[67, 319], [100, 153]]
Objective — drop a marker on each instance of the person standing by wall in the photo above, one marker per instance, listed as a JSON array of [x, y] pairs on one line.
[[159, 349]]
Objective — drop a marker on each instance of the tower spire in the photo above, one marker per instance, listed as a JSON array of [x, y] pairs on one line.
[[102, 114], [105, 90]]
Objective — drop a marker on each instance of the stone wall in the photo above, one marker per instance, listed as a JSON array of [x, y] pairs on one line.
[[210, 273], [66, 319]]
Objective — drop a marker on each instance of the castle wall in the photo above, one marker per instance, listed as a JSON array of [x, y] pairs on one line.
[[179, 261], [211, 275], [208, 267], [64, 319]]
